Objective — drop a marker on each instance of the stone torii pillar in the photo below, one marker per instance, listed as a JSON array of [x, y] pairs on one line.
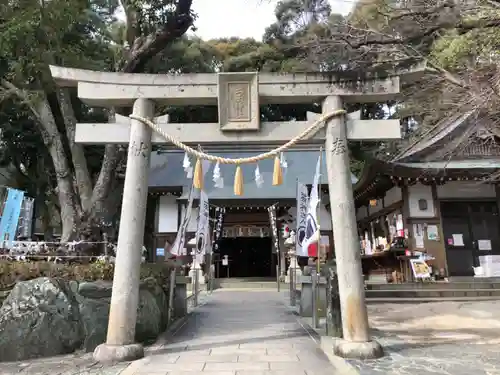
[[238, 96], [120, 343], [356, 341]]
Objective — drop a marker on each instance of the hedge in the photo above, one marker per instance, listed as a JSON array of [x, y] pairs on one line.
[[12, 272]]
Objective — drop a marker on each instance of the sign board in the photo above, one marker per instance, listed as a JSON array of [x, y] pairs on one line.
[[246, 231], [484, 245], [432, 233], [160, 252], [420, 269]]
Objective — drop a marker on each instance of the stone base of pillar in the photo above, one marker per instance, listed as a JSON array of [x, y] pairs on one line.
[[297, 274], [201, 277], [105, 353], [357, 350]]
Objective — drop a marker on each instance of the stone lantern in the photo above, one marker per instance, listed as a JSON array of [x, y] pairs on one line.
[[293, 267], [195, 265]]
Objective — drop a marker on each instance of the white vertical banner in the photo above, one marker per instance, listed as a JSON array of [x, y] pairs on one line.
[[203, 227], [302, 206], [310, 244]]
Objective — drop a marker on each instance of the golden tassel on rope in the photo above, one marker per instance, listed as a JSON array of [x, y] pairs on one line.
[[198, 175], [277, 172], [238, 181]]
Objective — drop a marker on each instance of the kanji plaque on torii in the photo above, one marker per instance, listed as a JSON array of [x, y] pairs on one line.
[[238, 96], [238, 101]]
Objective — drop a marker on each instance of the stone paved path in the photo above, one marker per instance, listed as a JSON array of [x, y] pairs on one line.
[[238, 333]]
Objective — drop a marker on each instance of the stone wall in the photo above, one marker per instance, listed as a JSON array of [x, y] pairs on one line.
[[49, 316]]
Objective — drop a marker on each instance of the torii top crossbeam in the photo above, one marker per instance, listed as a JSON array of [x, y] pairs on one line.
[[238, 97], [121, 89]]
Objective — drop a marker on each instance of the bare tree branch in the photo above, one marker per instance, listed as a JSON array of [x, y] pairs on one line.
[[375, 38], [418, 11], [144, 48]]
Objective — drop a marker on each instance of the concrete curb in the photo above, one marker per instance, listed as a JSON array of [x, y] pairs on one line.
[[325, 343], [169, 333], [131, 369], [342, 367], [162, 339]]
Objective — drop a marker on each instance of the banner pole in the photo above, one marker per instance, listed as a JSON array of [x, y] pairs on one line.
[[318, 265], [278, 250], [293, 251]]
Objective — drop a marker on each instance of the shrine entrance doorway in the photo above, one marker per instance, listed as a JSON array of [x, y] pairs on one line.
[[249, 257], [472, 223]]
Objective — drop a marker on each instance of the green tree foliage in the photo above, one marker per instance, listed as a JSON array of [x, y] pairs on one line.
[[34, 34], [83, 184]]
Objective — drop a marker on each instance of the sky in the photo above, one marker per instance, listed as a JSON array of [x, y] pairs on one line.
[[243, 18]]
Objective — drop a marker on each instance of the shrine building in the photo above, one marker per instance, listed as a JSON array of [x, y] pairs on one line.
[[246, 235], [441, 193]]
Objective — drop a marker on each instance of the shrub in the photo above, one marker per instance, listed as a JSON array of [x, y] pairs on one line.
[[11, 272]]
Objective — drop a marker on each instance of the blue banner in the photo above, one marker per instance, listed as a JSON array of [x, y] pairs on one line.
[[10, 216]]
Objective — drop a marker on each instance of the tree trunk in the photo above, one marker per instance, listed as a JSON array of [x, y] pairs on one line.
[[52, 140], [103, 216], [83, 180], [110, 161], [45, 221]]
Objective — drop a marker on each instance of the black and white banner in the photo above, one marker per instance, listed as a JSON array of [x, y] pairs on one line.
[[274, 227], [218, 226], [202, 234], [180, 240], [310, 243], [302, 206], [178, 247]]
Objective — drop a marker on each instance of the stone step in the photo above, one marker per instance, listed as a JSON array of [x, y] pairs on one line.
[[429, 299], [241, 285], [247, 285], [438, 285], [432, 293]]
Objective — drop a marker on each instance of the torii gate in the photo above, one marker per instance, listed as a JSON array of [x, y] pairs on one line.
[[238, 96]]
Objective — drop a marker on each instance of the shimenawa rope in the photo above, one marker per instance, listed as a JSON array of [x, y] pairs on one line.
[[311, 130], [238, 183]]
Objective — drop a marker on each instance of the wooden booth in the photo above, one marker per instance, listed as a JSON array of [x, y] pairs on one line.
[[441, 196]]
